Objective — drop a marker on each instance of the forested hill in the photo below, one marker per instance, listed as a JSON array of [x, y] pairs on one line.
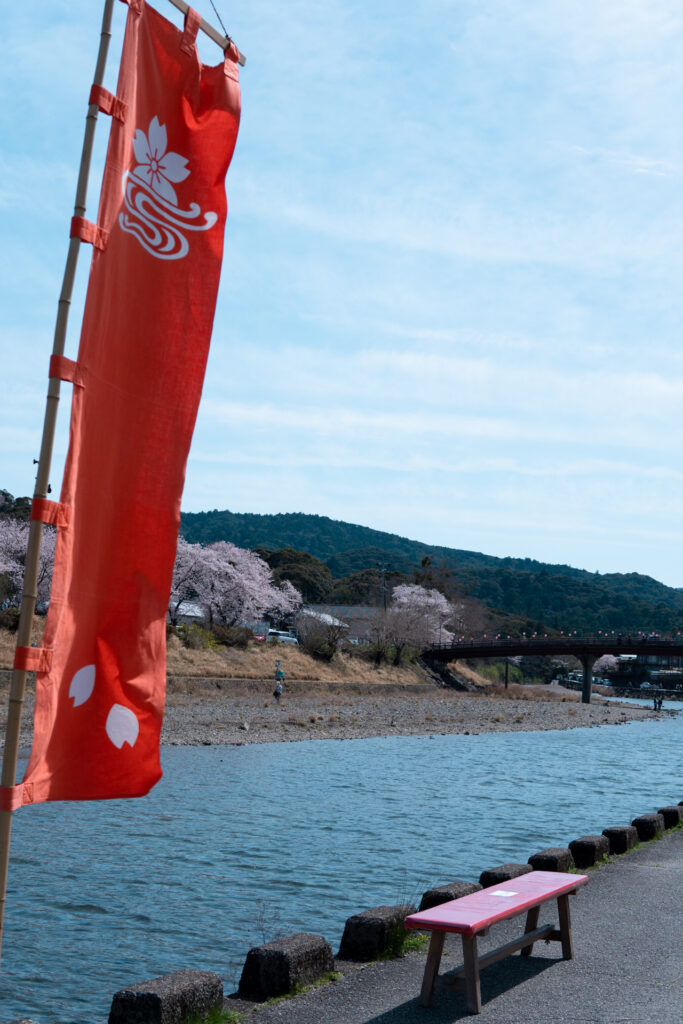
[[557, 595], [325, 538]]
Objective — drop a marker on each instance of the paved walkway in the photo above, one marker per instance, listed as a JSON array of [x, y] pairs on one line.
[[628, 943]]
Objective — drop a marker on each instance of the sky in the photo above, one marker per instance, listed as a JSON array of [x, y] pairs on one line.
[[451, 299]]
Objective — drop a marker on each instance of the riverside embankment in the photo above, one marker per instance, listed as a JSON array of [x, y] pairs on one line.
[[627, 964]]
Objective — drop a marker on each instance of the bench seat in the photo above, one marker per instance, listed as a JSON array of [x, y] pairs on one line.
[[474, 914]]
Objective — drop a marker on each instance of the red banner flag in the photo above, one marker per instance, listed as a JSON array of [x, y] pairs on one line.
[[147, 323]]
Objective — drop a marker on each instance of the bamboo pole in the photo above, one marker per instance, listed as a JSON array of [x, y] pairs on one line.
[[30, 586], [30, 583]]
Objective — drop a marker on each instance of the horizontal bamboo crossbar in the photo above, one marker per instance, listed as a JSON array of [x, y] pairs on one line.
[[213, 33]]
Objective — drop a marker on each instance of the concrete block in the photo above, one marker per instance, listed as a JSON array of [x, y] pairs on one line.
[[168, 999], [621, 838], [446, 893], [555, 858], [649, 826], [278, 967], [588, 850], [672, 815], [372, 933], [503, 873]]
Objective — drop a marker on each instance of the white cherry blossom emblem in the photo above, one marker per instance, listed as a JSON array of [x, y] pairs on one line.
[[155, 166], [153, 215]]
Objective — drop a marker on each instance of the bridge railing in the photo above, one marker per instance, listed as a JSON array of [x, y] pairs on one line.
[[628, 642]]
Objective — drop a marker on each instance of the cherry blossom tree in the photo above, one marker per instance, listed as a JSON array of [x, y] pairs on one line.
[[233, 584], [13, 542], [188, 577], [605, 664], [416, 618]]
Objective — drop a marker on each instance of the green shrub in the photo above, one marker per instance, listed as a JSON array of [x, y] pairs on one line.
[[217, 1015], [377, 651], [9, 619], [196, 638], [232, 636], [319, 647]]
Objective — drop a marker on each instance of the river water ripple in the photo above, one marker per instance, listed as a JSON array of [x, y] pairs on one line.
[[238, 844]]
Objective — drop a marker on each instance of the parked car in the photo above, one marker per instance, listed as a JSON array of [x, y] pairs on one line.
[[280, 637]]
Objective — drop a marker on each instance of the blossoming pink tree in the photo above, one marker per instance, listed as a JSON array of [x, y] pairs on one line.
[[417, 617], [605, 664], [188, 578], [233, 584], [13, 542]]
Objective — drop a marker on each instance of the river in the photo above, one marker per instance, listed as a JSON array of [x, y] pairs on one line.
[[239, 844]]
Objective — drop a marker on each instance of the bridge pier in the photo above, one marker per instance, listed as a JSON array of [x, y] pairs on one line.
[[587, 661]]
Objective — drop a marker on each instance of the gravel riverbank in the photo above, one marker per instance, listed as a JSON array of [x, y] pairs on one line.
[[219, 710], [229, 711]]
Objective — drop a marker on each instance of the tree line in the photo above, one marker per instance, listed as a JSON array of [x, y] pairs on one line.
[[340, 563], [512, 595], [236, 587]]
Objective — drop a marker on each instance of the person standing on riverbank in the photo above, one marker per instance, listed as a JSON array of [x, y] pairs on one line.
[[279, 680]]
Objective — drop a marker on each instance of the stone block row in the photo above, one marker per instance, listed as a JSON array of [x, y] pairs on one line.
[[279, 967]]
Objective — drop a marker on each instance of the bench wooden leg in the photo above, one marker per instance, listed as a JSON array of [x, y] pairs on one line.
[[531, 923], [565, 927], [432, 967], [472, 986]]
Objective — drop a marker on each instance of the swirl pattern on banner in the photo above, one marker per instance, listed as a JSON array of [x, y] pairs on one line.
[[158, 225]]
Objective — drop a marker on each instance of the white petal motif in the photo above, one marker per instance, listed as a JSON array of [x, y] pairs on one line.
[[144, 171], [164, 188], [122, 726], [173, 166], [157, 138], [141, 147], [82, 685]]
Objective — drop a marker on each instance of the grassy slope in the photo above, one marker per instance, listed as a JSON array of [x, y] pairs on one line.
[[257, 662]]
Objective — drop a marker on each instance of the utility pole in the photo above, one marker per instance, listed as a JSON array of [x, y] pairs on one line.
[[382, 567]]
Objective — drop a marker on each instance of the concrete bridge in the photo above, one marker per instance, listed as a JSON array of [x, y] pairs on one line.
[[586, 648]]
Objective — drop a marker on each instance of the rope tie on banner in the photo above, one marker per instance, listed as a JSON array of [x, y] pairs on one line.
[[88, 232], [52, 512], [135, 5], [192, 23], [107, 103], [65, 369], [33, 659], [231, 52]]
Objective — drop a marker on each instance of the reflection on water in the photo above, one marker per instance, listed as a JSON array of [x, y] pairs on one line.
[[239, 843]]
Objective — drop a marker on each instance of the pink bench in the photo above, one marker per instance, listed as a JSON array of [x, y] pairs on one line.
[[472, 915]]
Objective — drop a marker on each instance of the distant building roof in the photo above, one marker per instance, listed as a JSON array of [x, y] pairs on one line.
[[358, 617]]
